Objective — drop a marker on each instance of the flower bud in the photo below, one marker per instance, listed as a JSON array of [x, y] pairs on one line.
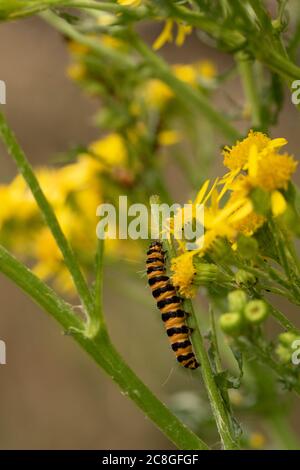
[[278, 25], [247, 247], [231, 323], [237, 300], [283, 354], [245, 279], [256, 311], [287, 338], [206, 273]]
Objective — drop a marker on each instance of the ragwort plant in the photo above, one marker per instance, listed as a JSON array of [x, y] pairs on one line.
[[151, 112]]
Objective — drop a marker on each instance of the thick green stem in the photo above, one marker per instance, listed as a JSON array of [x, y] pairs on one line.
[[245, 65], [217, 404], [103, 353], [96, 322], [216, 400], [29, 176]]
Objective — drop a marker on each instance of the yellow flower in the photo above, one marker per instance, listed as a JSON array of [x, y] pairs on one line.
[[270, 170], [49, 263], [249, 224], [131, 3], [186, 73], [220, 222], [169, 137], [17, 201], [114, 43], [237, 156], [76, 71], [77, 48], [157, 93], [167, 34], [183, 274], [207, 69], [110, 150]]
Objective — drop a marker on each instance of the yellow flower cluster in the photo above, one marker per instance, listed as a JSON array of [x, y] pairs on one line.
[[254, 163], [183, 274], [158, 94], [75, 191]]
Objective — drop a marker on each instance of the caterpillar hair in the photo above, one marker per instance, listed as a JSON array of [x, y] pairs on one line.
[[170, 306]]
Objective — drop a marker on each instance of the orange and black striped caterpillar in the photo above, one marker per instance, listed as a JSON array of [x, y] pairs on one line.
[[170, 306]]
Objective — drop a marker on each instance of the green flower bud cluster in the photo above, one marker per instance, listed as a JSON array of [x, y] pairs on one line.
[[206, 273], [242, 313], [245, 279], [284, 349]]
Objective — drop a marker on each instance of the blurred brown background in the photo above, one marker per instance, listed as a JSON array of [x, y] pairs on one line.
[[52, 396]]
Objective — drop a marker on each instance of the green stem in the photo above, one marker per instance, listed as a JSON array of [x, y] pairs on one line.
[[134, 13], [231, 38], [282, 319], [280, 244], [245, 66], [96, 322], [29, 176], [103, 353], [215, 339], [216, 401], [107, 53], [280, 64], [184, 92], [254, 351], [218, 360], [39, 291], [217, 404], [12, 12]]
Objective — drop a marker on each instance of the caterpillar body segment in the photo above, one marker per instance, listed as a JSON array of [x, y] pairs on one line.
[[170, 306]]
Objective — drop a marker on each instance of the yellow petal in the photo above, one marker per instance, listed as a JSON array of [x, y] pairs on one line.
[[131, 3], [252, 162], [277, 143], [202, 192], [211, 191], [278, 202], [165, 36], [242, 212], [183, 31]]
